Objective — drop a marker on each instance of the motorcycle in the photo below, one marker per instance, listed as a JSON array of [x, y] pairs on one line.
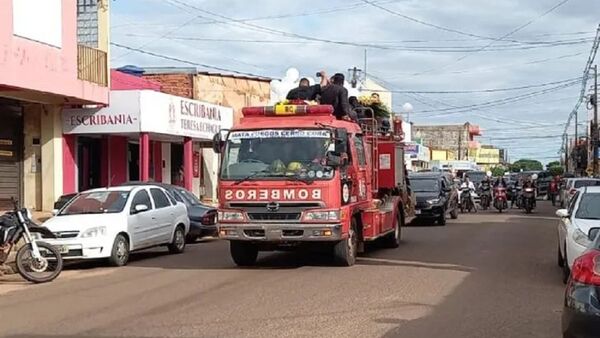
[[465, 200], [518, 197], [36, 261], [500, 199], [486, 197], [528, 199]]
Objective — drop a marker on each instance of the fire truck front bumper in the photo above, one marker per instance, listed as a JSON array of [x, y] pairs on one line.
[[273, 232]]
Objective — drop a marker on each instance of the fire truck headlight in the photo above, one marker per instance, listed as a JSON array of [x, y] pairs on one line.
[[325, 215], [230, 216]]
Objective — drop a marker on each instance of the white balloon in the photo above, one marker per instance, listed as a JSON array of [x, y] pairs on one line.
[[291, 75], [407, 107]]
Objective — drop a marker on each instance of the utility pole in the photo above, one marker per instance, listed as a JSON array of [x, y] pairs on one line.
[[566, 154], [365, 71], [595, 131]]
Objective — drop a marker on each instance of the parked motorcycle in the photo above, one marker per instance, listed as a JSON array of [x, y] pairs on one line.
[[36, 261], [465, 200], [528, 199], [486, 198], [500, 199]]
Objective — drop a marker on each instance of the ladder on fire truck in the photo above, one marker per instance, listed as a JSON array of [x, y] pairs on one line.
[[371, 132]]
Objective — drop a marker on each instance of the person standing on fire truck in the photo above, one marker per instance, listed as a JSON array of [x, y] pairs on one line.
[[336, 95]]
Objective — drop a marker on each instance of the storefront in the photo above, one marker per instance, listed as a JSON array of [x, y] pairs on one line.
[[417, 157], [143, 135]]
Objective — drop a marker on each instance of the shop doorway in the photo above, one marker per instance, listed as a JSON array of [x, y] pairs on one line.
[[11, 140], [133, 156], [177, 164], [89, 155]]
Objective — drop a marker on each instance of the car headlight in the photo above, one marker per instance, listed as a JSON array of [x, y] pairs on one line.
[[581, 238], [230, 216], [433, 201], [94, 232], [325, 215]]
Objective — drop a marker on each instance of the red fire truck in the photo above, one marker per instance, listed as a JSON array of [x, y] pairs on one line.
[[294, 176]]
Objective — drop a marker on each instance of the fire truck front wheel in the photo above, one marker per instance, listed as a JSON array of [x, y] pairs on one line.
[[345, 251], [243, 253]]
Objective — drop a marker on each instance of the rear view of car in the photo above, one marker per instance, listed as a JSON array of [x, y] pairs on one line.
[[581, 313]]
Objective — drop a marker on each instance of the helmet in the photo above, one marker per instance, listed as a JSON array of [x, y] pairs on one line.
[[294, 166], [277, 167], [534, 177], [488, 174]]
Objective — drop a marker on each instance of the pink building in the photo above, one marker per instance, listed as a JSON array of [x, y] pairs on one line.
[[47, 64]]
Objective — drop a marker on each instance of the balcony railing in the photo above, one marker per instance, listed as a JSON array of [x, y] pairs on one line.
[[92, 65]]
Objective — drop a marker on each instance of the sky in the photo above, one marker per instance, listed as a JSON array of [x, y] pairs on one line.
[[514, 67]]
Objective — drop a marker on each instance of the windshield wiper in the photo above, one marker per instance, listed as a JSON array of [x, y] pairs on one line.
[[254, 174]]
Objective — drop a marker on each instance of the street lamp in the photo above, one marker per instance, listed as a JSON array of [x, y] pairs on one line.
[[407, 108]]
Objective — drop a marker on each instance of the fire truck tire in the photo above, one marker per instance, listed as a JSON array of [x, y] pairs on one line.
[[345, 251], [393, 240], [243, 253]]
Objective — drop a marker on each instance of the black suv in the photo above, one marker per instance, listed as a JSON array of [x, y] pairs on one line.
[[436, 196]]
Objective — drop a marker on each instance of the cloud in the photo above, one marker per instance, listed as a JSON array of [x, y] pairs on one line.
[[154, 25]]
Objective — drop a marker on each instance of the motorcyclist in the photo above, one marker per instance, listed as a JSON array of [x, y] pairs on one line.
[[485, 188], [513, 193], [467, 184], [530, 183], [500, 183], [553, 189]]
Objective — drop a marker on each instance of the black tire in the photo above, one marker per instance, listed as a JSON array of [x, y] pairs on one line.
[[393, 240], [243, 253], [454, 213], [52, 258], [177, 244], [442, 219], [560, 261], [566, 272], [119, 256], [344, 252]]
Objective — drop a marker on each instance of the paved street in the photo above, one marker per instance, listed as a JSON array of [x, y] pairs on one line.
[[484, 275]]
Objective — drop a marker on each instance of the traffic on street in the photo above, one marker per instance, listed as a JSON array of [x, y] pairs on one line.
[[342, 168]]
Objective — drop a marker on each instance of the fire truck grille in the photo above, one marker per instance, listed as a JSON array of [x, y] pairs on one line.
[[281, 216]]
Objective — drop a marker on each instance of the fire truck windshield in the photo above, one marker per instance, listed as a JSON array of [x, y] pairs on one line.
[[277, 154]]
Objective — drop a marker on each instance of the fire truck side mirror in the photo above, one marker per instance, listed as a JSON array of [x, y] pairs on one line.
[[217, 143]]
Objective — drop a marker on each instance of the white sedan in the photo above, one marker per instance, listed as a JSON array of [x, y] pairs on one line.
[[578, 226], [111, 222]]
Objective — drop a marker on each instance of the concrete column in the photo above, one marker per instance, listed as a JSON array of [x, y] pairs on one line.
[[32, 173], [166, 162], [144, 157], [188, 154], [52, 157]]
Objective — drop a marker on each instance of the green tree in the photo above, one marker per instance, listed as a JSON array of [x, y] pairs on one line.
[[526, 165], [556, 170], [498, 171], [552, 164]]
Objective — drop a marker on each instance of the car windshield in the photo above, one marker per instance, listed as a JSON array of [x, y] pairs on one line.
[[97, 202], [189, 197], [586, 183], [424, 185], [276, 154], [589, 206], [476, 177]]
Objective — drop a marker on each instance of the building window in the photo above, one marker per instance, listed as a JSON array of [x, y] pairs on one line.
[[87, 23]]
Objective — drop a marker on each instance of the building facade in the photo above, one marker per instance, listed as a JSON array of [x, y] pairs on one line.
[[144, 135], [453, 141], [53, 55], [235, 91]]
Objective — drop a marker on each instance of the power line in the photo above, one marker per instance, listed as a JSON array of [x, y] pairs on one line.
[[171, 58], [494, 90], [521, 27], [586, 74]]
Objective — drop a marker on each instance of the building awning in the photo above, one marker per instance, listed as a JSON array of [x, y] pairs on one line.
[[135, 111]]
